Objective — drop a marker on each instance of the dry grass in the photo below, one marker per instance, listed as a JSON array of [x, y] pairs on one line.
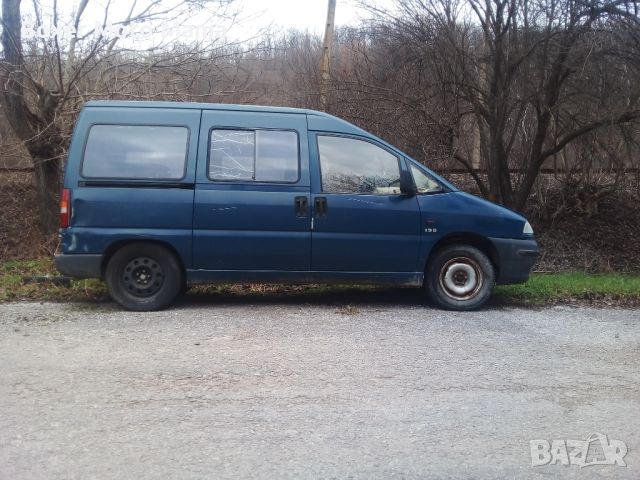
[[20, 237]]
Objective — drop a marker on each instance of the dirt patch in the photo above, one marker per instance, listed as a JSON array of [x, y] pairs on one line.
[[588, 228]]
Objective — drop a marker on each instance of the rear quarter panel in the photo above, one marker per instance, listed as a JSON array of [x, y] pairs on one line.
[[102, 215]]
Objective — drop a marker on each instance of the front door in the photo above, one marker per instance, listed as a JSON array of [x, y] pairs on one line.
[[361, 221], [251, 206]]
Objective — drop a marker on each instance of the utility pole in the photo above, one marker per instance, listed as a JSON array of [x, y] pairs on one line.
[[476, 150], [325, 67]]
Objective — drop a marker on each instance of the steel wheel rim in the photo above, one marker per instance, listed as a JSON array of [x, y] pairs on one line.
[[142, 277], [461, 278]]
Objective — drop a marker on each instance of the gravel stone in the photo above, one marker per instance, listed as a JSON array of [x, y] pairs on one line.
[[288, 389]]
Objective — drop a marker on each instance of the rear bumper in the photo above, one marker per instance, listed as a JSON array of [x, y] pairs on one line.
[[79, 266], [515, 259]]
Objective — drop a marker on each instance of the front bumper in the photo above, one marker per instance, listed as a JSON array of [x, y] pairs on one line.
[[79, 266], [515, 259]]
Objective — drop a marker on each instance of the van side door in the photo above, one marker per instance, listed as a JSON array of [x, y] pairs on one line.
[[361, 220], [251, 207]]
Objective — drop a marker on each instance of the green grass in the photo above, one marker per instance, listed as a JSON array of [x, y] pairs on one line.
[[564, 287], [13, 288], [541, 289]]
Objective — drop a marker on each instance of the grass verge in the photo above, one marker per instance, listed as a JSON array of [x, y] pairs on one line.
[[13, 287], [608, 289], [542, 289]]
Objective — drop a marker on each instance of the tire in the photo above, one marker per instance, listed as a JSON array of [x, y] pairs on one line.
[[144, 277], [459, 277]]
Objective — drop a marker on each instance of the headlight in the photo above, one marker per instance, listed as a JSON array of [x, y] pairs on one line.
[[527, 230]]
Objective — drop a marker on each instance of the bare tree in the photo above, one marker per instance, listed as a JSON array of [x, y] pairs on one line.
[[524, 72], [34, 126], [45, 81]]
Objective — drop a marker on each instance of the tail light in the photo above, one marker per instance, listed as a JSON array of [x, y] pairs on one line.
[[65, 208]]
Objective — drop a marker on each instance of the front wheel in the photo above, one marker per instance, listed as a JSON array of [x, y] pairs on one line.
[[143, 277], [460, 277]]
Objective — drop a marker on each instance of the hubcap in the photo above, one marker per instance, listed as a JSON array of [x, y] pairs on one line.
[[461, 278], [142, 277]]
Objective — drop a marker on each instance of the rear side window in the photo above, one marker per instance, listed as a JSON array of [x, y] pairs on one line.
[[254, 156], [136, 151], [349, 165]]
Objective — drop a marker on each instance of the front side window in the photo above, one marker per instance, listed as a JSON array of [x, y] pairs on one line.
[[136, 152], [350, 165], [254, 155], [424, 183]]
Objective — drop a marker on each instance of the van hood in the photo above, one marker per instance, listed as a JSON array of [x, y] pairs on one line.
[[497, 208]]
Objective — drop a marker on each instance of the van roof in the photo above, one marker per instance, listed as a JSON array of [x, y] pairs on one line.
[[315, 120], [202, 106]]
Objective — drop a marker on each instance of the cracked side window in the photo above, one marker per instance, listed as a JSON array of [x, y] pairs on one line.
[[254, 156], [232, 155]]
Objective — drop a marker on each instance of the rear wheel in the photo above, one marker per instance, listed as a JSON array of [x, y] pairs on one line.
[[143, 277], [460, 277]]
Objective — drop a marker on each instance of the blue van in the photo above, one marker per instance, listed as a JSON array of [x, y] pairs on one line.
[[159, 195]]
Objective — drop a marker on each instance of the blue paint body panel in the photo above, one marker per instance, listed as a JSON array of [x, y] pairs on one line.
[[252, 231], [251, 225], [385, 237], [361, 233]]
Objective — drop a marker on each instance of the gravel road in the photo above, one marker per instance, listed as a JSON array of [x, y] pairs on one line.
[[305, 388]]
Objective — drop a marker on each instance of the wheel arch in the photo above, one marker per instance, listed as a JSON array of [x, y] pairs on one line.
[[117, 245], [467, 238]]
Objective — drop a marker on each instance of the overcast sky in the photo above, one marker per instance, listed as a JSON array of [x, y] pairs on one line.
[[301, 14], [254, 16]]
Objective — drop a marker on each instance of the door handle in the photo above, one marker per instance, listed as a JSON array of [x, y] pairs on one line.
[[320, 209], [301, 205]]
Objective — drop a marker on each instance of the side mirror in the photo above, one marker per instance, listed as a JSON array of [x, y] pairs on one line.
[[407, 186]]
